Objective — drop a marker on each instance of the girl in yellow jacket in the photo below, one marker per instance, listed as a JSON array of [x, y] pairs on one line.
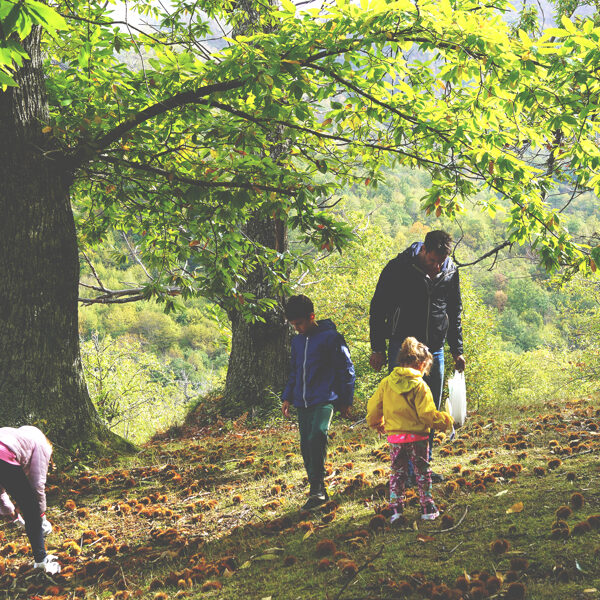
[[403, 408]]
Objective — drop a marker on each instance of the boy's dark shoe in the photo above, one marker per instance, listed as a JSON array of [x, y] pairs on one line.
[[318, 497], [437, 477], [314, 502]]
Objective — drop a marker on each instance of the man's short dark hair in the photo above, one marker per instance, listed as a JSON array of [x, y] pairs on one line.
[[438, 241], [298, 307]]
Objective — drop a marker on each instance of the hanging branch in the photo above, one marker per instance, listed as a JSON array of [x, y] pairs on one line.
[[94, 273], [134, 255], [492, 252]]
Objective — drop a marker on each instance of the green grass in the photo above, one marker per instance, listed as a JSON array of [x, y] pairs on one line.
[[231, 516]]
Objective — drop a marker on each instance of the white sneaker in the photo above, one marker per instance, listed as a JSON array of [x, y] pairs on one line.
[[430, 516], [50, 564], [19, 522]]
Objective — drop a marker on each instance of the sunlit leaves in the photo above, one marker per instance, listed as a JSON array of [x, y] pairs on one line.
[[16, 22], [515, 508]]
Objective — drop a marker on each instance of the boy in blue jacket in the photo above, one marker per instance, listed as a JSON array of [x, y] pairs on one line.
[[321, 378]]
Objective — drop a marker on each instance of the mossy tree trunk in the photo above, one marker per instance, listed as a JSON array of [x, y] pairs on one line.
[[259, 359], [41, 377]]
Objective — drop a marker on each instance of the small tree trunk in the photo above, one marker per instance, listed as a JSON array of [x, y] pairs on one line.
[[258, 366], [41, 378]]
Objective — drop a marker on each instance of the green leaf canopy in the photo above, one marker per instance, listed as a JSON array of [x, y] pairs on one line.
[[168, 131]]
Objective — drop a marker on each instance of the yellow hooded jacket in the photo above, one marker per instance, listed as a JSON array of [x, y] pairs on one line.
[[403, 402]]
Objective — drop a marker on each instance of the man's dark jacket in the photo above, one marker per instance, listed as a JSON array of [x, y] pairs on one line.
[[408, 303]]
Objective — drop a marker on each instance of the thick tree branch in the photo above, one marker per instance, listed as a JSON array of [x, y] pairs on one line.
[[86, 152], [121, 296]]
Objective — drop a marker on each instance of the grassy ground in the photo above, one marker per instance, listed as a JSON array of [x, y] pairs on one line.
[[213, 513]]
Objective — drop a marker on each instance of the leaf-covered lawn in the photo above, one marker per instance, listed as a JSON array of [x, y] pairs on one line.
[[213, 512]]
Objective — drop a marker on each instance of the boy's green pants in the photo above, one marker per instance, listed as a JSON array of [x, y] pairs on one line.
[[313, 423]]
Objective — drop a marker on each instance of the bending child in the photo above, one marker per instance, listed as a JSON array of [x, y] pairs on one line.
[[24, 458], [403, 407], [321, 377]]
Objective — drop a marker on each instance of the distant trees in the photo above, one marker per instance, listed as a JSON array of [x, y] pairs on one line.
[[134, 393]]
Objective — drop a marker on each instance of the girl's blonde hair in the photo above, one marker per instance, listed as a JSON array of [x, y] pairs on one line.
[[413, 353]]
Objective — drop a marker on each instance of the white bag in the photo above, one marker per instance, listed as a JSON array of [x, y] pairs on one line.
[[457, 398]]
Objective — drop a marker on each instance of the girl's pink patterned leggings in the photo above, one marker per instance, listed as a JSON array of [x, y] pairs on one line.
[[401, 455]]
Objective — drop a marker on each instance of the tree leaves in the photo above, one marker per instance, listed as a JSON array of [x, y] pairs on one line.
[[6, 80], [288, 6], [43, 15], [476, 105], [17, 20]]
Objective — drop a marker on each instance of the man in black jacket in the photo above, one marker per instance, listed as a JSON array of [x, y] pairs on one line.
[[418, 294]]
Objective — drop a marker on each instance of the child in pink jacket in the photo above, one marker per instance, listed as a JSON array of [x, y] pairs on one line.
[[24, 458]]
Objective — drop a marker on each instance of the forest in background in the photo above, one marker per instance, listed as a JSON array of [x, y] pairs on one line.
[[528, 334]]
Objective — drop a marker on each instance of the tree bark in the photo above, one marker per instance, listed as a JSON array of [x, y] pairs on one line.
[[41, 377], [259, 360]]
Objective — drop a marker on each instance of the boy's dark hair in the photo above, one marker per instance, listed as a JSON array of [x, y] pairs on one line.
[[298, 307], [438, 241]]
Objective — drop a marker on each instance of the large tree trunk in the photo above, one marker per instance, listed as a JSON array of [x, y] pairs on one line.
[[41, 378], [259, 359]]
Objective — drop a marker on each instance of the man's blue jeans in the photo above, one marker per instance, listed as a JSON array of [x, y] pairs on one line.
[[435, 379]]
